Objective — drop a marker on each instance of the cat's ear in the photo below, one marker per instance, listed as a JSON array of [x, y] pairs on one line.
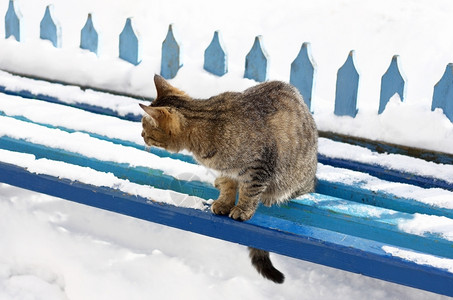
[[155, 112], [165, 89]]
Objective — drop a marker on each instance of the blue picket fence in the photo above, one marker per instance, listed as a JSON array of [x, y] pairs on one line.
[[303, 68]]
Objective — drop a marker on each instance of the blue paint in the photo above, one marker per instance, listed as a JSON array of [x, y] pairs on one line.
[[171, 55], [347, 88], [13, 22], [392, 82], [267, 232], [140, 175], [256, 62], [386, 174], [316, 210], [359, 220], [88, 107], [49, 28], [383, 147], [352, 192], [129, 44], [374, 170], [303, 70], [443, 93], [358, 193], [372, 145], [215, 57], [89, 38]]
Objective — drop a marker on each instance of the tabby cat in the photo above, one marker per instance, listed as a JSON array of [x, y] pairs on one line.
[[263, 143]]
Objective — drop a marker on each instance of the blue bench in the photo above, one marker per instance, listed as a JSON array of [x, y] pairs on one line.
[[342, 225]]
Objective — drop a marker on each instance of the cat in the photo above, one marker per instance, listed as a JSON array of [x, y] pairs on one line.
[[263, 142]]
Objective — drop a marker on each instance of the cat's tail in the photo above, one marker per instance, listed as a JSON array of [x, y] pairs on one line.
[[262, 263]]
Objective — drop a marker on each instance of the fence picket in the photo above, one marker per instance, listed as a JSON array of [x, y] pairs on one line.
[[392, 82], [13, 22], [49, 28], [303, 70], [256, 62], [443, 93], [171, 55], [129, 44], [215, 57], [302, 73], [347, 88], [89, 38]]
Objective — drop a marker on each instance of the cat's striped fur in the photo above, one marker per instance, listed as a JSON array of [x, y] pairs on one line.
[[262, 141]]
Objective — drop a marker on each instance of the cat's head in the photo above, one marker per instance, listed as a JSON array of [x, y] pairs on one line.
[[163, 124]]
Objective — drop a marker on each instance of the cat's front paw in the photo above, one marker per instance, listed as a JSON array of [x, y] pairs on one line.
[[240, 214], [221, 207]]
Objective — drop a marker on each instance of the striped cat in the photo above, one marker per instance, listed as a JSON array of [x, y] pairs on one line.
[[263, 143]]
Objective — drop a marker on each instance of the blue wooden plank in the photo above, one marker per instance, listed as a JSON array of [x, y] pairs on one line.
[[352, 192], [256, 62], [303, 70], [360, 220], [374, 170], [386, 174], [347, 88], [140, 175], [359, 194], [375, 146], [49, 28], [443, 93], [215, 57], [392, 82], [13, 22], [129, 44], [89, 38], [88, 107], [171, 55], [385, 147], [325, 211], [265, 232]]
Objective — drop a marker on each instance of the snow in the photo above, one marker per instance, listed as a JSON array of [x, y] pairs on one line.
[[55, 249], [114, 128], [78, 252], [420, 258], [422, 224], [83, 144], [408, 164], [375, 31], [89, 176]]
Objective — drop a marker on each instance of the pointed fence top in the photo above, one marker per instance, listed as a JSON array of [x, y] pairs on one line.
[[171, 55], [347, 88], [129, 44], [256, 62], [392, 82], [215, 57], [443, 93], [50, 29], [170, 37], [303, 70], [13, 21], [89, 38]]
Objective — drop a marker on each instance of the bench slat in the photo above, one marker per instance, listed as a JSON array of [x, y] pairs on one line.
[[280, 236], [336, 189], [324, 211]]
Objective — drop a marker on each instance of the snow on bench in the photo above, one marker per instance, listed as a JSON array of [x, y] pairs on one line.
[[360, 219]]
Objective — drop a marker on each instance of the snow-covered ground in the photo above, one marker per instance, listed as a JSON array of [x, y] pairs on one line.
[[55, 249]]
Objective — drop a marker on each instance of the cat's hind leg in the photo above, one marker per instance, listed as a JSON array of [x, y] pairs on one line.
[[227, 198]]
